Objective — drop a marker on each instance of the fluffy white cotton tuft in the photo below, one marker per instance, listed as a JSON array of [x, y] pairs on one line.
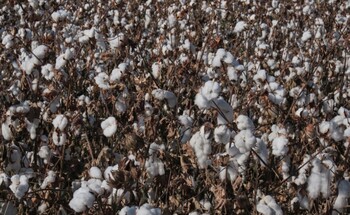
[[165, 94], [279, 146], [50, 178], [95, 172], [244, 122], [82, 199], [222, 134], [60, 122], [244, 141], [342, 199], [109, 126]]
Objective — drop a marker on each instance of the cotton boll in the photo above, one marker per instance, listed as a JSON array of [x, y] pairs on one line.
[[42, 208], [60, 62], [202, 147], [262, 151], [155, 147], [19, 185], [239, 27], [244, 122], [225, 114], [45, 154], [154, 167], [40, 51], [95, 186], [147, 209], [95, 172], [201, 101], [126, 210], [116, 75], [117, 41], [279, 146], [109, 126], [156, 68], [47, 71], [60, 122], [306, 36], [232, 73], [314, 180], [82, 199], [50, 178], [222, 134], [273, 205], [59, 139], [4, 179], [342, 199], [244, 141], [102, 80], [6, 130], [120, 105], [164, 94], [261, 207], [211, 90]]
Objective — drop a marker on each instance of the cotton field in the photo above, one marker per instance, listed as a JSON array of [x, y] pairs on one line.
[[175, 107]]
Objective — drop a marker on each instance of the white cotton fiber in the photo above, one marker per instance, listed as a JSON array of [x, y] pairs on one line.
[[95, 172], [279, 146], [109, 126], [60, 122], [82, 199]]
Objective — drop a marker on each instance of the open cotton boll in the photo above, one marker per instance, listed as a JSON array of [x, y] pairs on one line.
[[156, 68], [225, 114], [82, 199], [154, 147], [59, 139], [116, 75], [211, 90], [50, 178], [261, 207], [147, 209], [47, 71], [102, 80], [154, 167], [239, 27], [6, 130], [164, 94], [95, 172], [95, 186], [222, 134], [60, 122], [201, 101], [126, 210], [45, 153], [229, 172], [109, 126], [116, 41], [342, 199], [244, 122], [41, 51], [107, 174], [315, 179], [7, 41], [232, 73], [19, 185], [273, 205], [60, 62], [279, 146], [306, 36], [262, 151], [4, 179], [245, 140], [202, 148]]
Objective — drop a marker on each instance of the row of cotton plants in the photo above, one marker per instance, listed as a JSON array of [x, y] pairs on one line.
[[174, 107]]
